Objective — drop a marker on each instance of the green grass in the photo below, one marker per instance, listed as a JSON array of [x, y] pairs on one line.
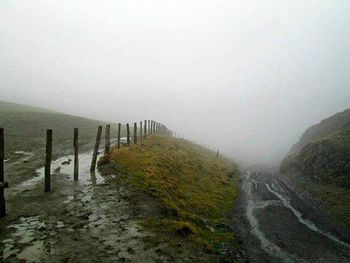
[[194, 189]]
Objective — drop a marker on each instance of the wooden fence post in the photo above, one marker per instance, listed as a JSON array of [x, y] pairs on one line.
[[48, 160], [145, 130], [128, 134], [135, 133], [118, 140], [2, 177], [148, 127], [141, 131], [76, 154], [107, 138], [97, 144], [151, 130], [217, 153]]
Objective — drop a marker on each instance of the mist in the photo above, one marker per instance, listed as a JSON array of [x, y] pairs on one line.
[[244, 77]]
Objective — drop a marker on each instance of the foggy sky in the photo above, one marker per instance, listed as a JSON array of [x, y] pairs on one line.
[[246, 77]]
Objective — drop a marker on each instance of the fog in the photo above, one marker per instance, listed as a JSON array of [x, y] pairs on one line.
[[244, 77]]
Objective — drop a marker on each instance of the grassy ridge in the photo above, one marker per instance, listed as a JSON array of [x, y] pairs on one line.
[[195, 190]]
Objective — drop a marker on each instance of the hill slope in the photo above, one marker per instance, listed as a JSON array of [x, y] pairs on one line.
[[326, 127], [25, 127], [323, 152], [14, 107], [25, 135], [191, 192], [320, 164]]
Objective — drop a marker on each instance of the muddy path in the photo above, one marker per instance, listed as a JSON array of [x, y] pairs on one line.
[[278, 226], [86, 221]]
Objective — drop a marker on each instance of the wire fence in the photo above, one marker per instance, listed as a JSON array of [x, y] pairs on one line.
[[138, 132]]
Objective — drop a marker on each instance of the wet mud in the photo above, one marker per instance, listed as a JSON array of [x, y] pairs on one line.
[[85, 221], [284, 227]]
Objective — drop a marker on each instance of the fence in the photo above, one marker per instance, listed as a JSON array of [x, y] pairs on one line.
[[149, 127]]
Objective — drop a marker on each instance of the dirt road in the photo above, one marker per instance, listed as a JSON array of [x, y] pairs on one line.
[[281, 227]]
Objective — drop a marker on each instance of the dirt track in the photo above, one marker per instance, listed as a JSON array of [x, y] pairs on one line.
[[280, 227], [85, 221]]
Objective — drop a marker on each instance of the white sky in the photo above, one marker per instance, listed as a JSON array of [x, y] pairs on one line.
[[247, 77]]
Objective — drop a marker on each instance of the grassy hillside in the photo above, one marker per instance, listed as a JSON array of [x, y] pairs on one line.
[[194, 192], [326, 127], [25, 128], [14, 107], [322, 164]]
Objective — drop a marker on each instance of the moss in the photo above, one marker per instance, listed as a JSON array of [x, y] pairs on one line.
[[194, 189]]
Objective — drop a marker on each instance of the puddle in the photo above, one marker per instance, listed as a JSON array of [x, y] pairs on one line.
[[28, 235], [101, 218], [64, 165]]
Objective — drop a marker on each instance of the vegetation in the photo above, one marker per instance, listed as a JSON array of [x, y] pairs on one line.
[[326, 160], [320, 163], [336, 199], [339, 121], [195, 191]]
